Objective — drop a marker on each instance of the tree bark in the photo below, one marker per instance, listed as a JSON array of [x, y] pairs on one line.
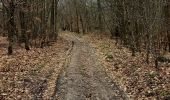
[[11, 24], [23, 21], [100, 15]]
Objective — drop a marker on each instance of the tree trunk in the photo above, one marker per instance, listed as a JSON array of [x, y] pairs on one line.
[[53, 18], [167, 21], [82, 24], [100, 15], [11, 25], [23, 21]]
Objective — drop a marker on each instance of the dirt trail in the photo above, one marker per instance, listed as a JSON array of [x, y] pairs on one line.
[[84, 78]]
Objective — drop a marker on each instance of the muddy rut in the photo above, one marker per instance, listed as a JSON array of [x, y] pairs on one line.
[[84, 78]]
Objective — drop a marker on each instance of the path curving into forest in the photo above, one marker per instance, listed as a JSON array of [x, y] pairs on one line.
[[84, 78]]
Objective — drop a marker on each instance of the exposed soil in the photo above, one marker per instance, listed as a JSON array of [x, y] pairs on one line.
[[84, 78]]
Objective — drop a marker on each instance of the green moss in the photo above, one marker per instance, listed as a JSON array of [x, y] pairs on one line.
[[152, 74], [109, 56], [105, 46], [164, 93], [37, 69]]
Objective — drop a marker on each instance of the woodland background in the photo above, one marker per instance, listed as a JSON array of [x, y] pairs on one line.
[[140, 27]]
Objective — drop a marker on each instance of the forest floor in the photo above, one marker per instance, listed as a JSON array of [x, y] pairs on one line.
[[141, 81], [31, 75], [89, 67]]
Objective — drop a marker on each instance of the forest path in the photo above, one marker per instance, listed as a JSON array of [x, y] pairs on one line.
[[83, 77]]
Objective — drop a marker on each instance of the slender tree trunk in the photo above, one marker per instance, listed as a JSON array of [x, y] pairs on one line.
[[168, 24], [100, 15], [53, 18], [11, 24], [3, 19], [24, 22], [77, 21], [82, 24], [148, 48]]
